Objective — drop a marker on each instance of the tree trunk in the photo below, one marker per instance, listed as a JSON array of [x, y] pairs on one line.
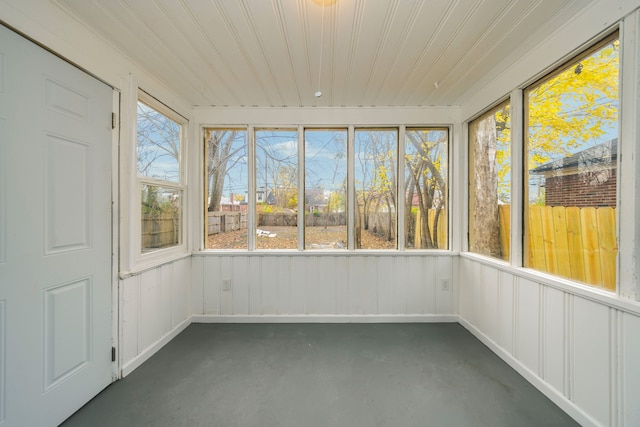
[[409, 224], [217, 171], [358, 228], [219, 145], [485, 236]]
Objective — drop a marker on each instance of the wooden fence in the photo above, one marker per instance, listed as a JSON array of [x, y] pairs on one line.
[[442, 228], [577, 243], [222, 221], [160, 231]]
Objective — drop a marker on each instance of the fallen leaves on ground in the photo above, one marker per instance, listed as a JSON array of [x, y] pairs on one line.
[[287, 238]]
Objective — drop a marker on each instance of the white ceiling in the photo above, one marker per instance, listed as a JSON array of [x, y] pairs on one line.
[[367, 52]]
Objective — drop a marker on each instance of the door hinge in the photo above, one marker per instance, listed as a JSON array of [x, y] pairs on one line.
[[114, 120], [113, 354]]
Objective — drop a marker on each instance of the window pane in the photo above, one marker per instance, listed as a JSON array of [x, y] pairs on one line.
[[157, 145], [277, 189], [572, 148], [227, 188], [325, 200], [161, 217], [375, 180], [425, 188], [490, 183]]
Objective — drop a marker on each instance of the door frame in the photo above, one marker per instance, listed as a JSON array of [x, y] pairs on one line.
[[115, 234]]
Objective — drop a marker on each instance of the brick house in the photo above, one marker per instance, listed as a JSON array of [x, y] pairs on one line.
[[584, 179]]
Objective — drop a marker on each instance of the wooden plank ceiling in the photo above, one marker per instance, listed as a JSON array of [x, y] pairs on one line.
[[356, 52]]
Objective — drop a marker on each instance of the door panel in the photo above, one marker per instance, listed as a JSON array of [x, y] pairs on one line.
[[55, 235]]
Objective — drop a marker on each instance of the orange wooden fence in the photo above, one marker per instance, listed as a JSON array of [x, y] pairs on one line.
[[576, 243], [442, 228]]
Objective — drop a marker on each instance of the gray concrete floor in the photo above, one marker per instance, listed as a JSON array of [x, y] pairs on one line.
[[322, 375]]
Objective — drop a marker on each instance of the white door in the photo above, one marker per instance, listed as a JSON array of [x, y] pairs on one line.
[[55, 235]]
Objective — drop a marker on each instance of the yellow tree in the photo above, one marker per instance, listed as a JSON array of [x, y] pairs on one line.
[[571, 110], [575, 107]]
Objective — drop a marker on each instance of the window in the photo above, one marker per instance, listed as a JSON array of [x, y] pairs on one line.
[[304, 195], [227, 177], [277, 188], [571, 158], [490, 183], [325, 189], [425, 188], [160, 174], [376, 155]]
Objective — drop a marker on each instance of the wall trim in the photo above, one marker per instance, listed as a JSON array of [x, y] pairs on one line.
[[328, 318], [145, 354], [143, 269], [310, 253], [545, 388]]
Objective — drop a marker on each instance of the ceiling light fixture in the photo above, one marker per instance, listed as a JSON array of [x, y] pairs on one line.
[[324, 3]]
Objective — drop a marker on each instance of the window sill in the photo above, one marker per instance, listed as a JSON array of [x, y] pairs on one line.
[[325, 252], [155, 259]]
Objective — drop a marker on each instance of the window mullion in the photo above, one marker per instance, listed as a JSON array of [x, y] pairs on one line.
[[351, 190], [517, 177], [252, 214], [301, 188], [400, 178], [628, 264]]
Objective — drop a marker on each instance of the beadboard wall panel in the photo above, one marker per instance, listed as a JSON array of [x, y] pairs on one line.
[[590, 358], [323, 285], [581, 352], [554, 349], [154, 309], [628, 374], [527, 323]]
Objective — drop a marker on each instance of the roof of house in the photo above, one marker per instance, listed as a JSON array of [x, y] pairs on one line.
[[603, 153]]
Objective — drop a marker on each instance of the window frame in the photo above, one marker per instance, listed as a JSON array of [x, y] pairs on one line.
[[253, 182], [519, 164], [493, 109], [558, 69], [205, 178], [303, 175], [350, 129], [402, 152], [153, 257], [354, 190]]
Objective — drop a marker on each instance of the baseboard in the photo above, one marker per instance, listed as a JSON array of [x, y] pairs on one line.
[[327, 318], [145, 354], [545, 388]]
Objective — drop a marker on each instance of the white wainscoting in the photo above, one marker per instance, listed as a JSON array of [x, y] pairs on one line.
[[154, 308], [323, 287], [582, 352]]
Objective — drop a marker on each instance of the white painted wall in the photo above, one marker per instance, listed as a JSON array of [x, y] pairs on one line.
[[155, 307], [578, 347], [325, 287]]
